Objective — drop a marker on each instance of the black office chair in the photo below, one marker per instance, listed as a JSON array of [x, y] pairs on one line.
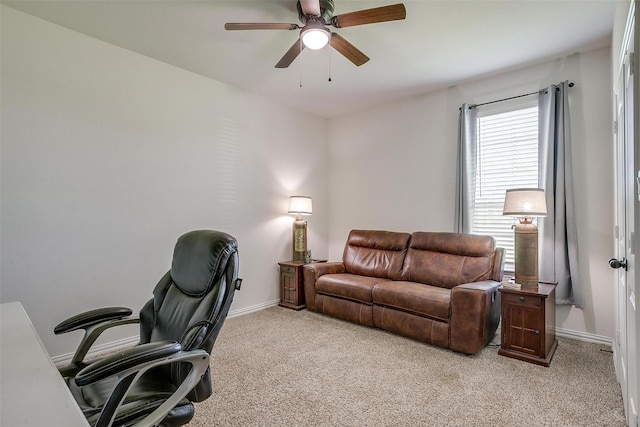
[[156, 381]]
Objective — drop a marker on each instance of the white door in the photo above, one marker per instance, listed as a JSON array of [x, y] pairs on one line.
[[620, 260], [632, 154], [626, 166]]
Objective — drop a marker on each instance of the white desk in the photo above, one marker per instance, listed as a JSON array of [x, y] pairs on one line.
[[32, 392]]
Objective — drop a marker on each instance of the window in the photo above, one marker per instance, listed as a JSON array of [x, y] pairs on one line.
[[507, 158]]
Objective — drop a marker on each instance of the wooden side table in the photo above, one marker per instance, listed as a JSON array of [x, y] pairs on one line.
[[292, 284], [528, 330]]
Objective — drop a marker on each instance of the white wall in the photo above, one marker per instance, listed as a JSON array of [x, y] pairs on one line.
[[393, 168], [109, 156]]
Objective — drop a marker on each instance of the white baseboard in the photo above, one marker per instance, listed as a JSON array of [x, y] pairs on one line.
[[123, 343], [577, 335], [109, 347], [584, 336], [253, 308]]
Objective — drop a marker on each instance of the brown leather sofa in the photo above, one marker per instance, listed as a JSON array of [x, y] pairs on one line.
[[438, 288]]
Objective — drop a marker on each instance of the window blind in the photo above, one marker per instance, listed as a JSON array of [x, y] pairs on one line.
[[507, 158]]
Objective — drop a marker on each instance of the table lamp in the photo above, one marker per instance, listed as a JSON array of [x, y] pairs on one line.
[[298, 206], [525, 203]]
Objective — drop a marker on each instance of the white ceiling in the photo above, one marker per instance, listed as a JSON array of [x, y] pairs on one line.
[[441, 43]]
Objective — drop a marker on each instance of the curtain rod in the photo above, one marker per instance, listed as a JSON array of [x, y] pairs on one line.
[[513, 97]]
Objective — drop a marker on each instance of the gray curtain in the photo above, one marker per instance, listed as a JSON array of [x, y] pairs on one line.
[[558, 250], [466, 168]]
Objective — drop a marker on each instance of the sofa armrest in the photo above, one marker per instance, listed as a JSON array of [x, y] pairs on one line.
[[311, 273], [498, 265], [475, 315]]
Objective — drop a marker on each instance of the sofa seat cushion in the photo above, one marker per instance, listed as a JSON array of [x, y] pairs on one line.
[[416, 298], [350, 286]]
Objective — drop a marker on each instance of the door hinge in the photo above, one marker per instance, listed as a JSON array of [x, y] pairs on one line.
[[615, 127], [617, 232], [632, 63], [630, 244]]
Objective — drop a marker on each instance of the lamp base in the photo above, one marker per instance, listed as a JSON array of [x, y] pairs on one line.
[[526, 255], [299, 239]]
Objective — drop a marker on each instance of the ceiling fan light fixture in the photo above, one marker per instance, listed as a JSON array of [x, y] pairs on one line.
[[316, 16], [315, 37]]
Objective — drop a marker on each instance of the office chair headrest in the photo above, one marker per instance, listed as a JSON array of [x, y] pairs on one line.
[[200, 259]]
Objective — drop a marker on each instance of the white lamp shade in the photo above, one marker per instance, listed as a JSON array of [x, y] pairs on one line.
[[315, 38], [525, 202], [300, 205]]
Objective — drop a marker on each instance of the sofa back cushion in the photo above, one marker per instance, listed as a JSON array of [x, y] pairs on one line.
[[375, 253], [449, 259]]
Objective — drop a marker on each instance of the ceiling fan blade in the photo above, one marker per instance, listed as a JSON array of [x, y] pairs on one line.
[[393, 12], [259, 26], [348, 50], [291, 54], [310, 7]]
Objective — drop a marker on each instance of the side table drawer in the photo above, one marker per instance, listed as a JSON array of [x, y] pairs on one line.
[[287, 270], [525, 300]]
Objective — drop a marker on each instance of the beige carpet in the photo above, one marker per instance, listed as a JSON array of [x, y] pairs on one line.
[[279, 367]]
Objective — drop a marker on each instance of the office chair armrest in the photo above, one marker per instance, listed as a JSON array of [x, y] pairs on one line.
[[131, 364], [134, 359], [94, 323], [91, 317]]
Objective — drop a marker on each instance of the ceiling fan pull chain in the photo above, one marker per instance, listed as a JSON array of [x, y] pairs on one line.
[[329, 50], [300, 67]]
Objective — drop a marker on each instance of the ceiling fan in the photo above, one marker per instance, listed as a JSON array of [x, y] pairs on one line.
[[315, 15]]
